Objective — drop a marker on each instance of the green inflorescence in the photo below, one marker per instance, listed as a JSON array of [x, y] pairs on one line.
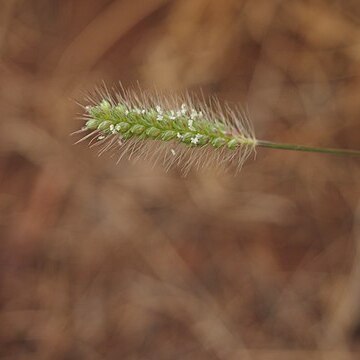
[[218, 128], [187, 126]]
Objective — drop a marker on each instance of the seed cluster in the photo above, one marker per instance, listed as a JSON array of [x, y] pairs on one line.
[[185, 125]]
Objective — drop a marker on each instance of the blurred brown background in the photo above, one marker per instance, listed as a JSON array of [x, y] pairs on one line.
[[100, 261]]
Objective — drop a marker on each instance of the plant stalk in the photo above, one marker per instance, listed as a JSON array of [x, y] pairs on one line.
[[275, 145]]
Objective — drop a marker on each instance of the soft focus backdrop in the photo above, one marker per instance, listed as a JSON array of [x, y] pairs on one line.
[[105, 261]]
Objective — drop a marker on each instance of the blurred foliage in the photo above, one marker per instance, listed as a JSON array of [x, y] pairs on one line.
[[100, 261]]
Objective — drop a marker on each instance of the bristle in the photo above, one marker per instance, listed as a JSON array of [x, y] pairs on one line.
[[175, 129]]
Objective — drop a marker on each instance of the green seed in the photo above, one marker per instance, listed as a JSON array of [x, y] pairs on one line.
[[232, 144], [137, 129], [92, 124], [218, 142], [153, 132], [203, 140], [168, 135], [186, 138], [104, 125], [122, 127], [105, 105]]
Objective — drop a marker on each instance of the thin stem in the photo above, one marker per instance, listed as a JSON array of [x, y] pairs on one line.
[[274, 145]]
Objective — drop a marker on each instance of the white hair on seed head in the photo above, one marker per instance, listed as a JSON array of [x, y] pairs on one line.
[[176, 129]]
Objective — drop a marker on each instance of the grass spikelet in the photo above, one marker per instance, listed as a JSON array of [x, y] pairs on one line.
[[177, 130]]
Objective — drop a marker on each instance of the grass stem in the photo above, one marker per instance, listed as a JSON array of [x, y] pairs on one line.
[[281, 146]]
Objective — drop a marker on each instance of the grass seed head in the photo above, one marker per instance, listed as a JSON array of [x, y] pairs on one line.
[[176, 129]]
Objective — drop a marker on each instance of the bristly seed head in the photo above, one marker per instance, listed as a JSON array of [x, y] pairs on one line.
[[144, 124]]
